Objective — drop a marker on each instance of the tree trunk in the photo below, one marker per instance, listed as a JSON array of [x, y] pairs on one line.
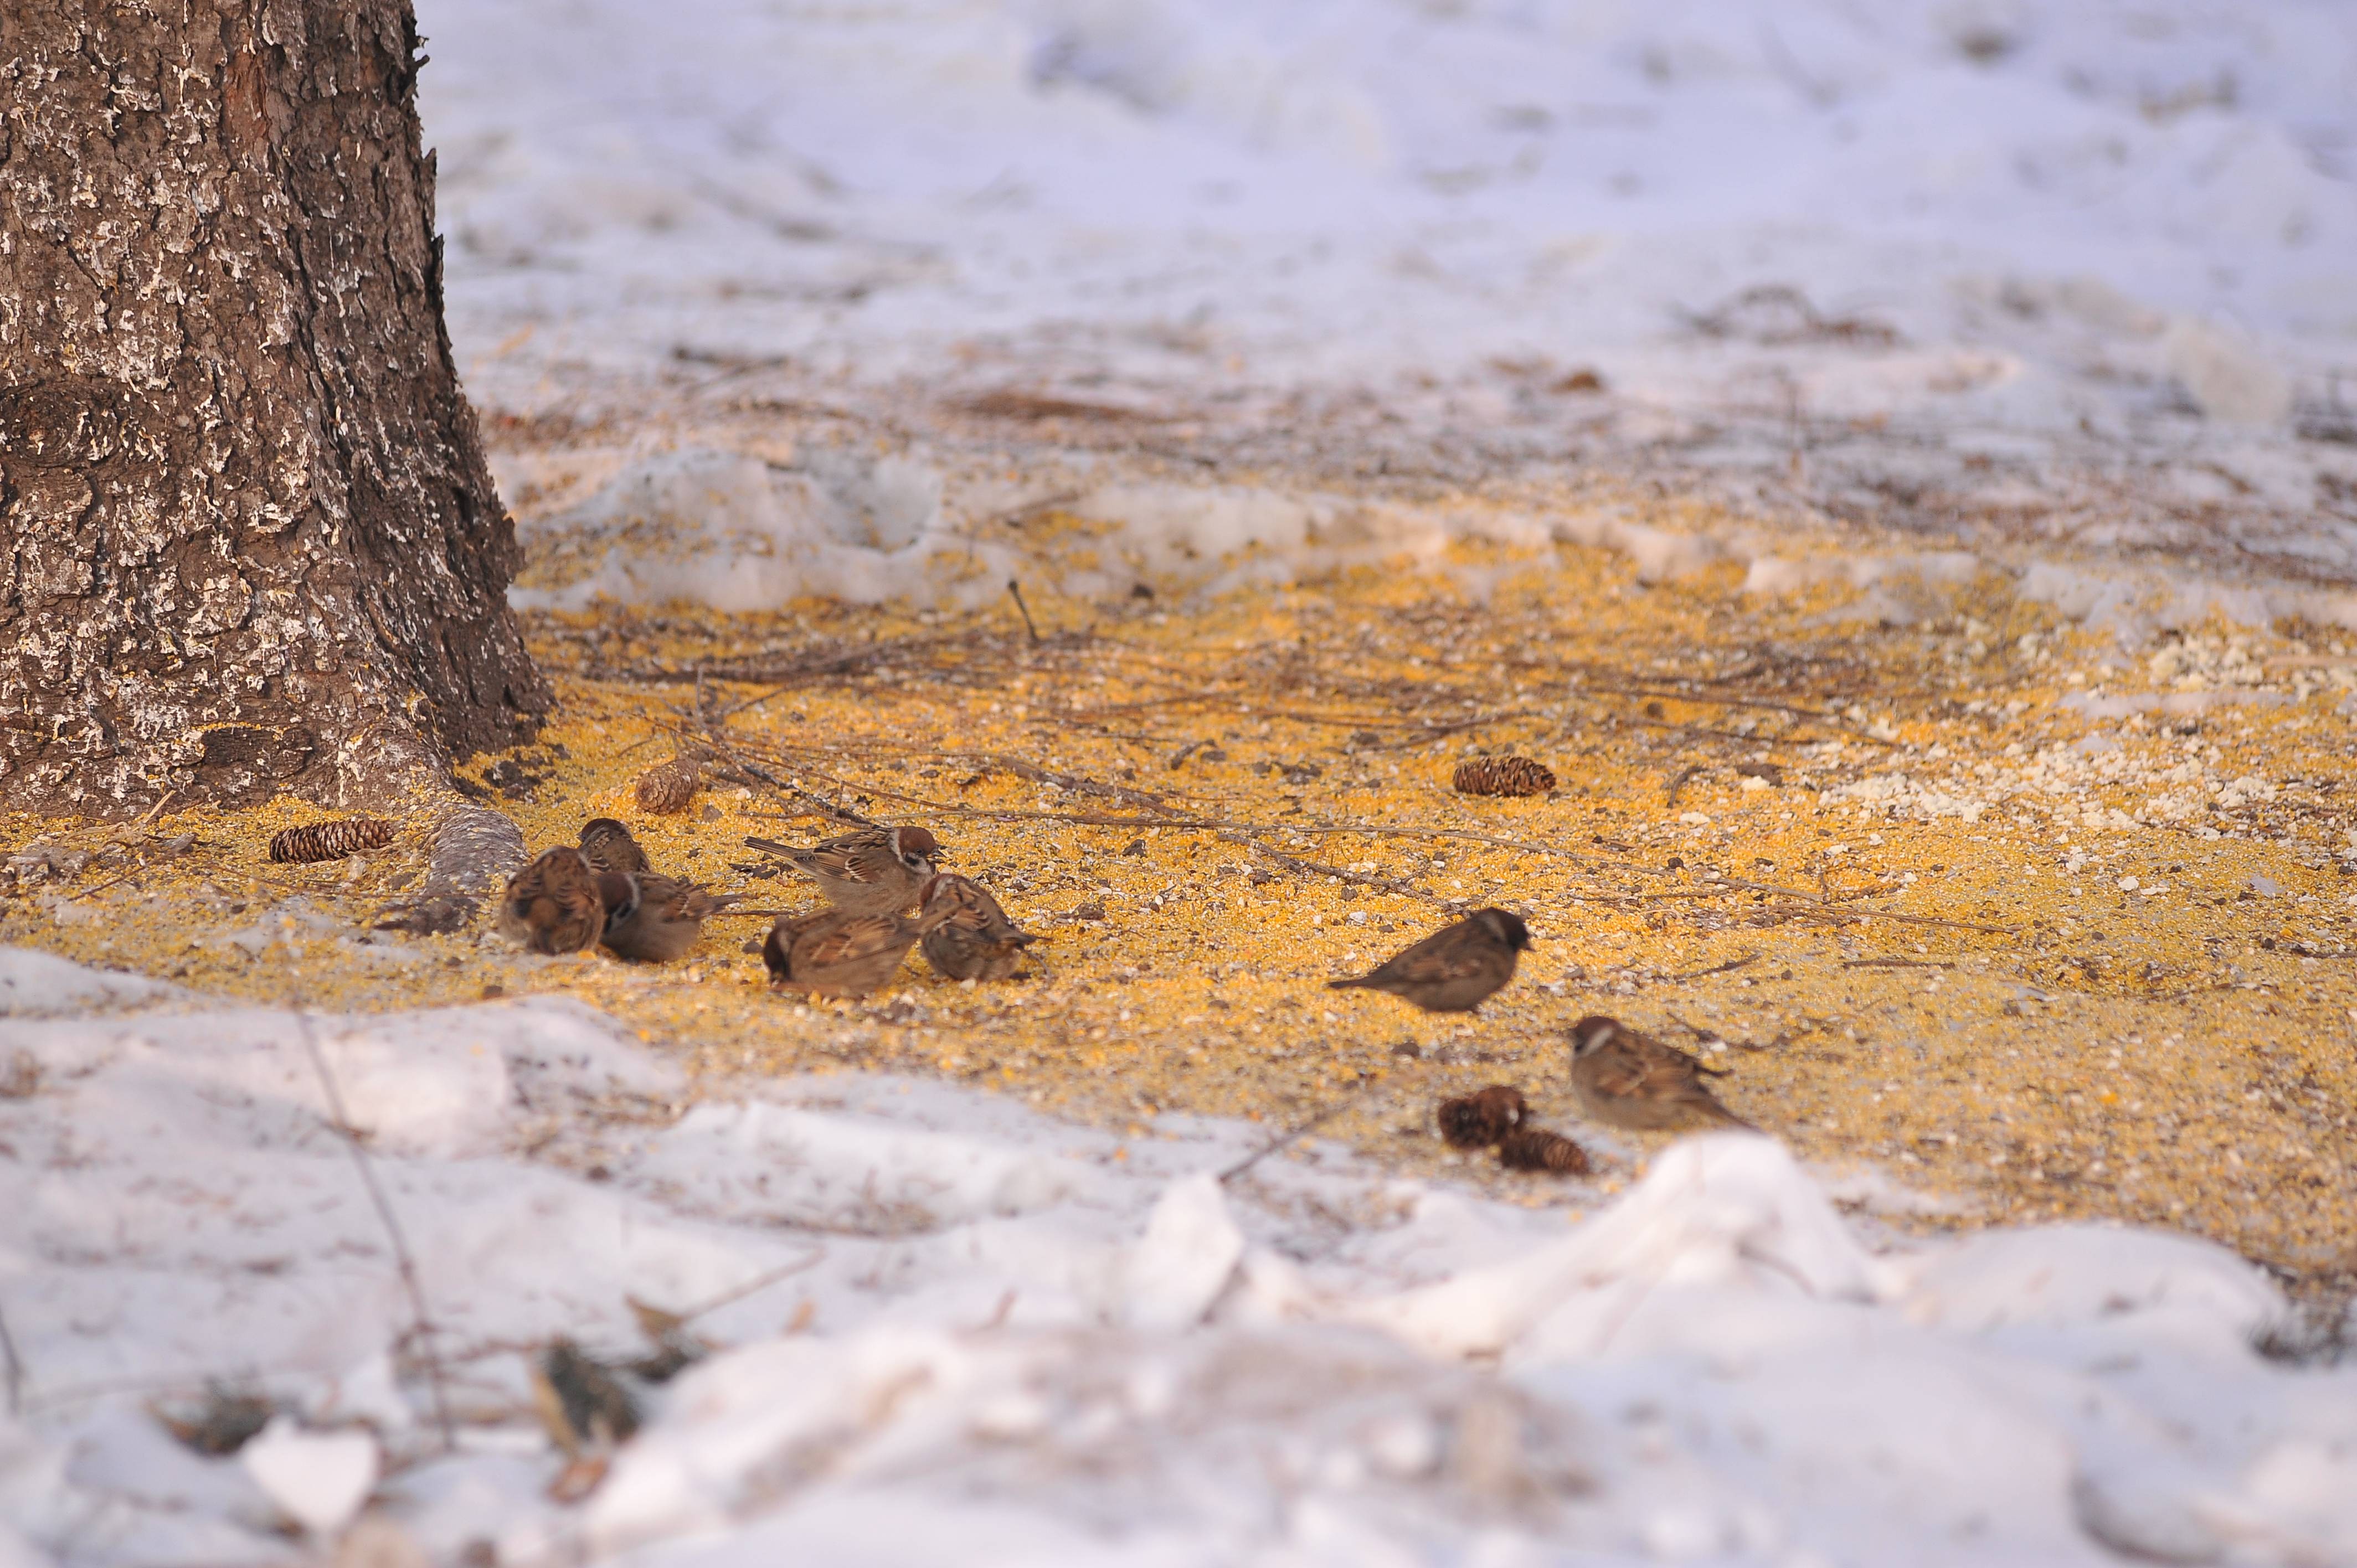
[[248, 540]]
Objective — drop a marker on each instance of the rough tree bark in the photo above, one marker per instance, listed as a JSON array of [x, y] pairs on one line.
[[248, 540]]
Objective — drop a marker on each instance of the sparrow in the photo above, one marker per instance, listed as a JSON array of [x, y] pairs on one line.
[[554, 905], [608, 845], [1479, 1120], [652, 919], [842, 953], [1628, 1079], [874, 871], [1454, 969], [975, 940]]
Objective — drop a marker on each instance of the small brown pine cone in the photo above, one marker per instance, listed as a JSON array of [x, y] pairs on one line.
[[1536, 1149], [1479, 1120], [1503, 776], [330, 840], [668, 786]]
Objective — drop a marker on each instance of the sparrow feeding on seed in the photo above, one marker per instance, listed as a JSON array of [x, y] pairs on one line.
[[842, 953], [554, 905], [1456, 968], [653, 919], [1477, 1120], [608, 845], [1628, 1079], [875, 871], [975, 941]]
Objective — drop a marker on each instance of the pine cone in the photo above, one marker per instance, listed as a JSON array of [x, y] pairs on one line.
[[1536, 1149], [1503, 776], [668, 786], [330, 840], [1479, 1120]]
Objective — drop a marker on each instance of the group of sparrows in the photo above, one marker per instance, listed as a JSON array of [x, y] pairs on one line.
[[603, 890], [574, 897], [1623, 1079]]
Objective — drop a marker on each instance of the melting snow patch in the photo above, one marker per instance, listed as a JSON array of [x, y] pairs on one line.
[[738, 534], [36, 984], [944, 1313]]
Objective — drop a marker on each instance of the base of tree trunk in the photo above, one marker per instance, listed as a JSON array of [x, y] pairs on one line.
[[248, 540]]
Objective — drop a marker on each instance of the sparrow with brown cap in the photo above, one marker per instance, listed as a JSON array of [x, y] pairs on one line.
[[1632, 1081], [842, 953], [873, 871]]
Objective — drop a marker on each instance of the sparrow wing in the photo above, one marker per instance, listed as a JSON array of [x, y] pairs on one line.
[[1665, 1074], [608, 845], [1459, 953], [553, 903], [974, 910], [863, 860], [1620, 1070], [853, 937], [682, 900]]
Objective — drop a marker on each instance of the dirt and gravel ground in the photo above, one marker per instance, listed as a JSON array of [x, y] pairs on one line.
[[2003, 922]]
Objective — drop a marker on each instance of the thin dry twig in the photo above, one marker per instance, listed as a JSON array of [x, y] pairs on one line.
[[1313, 868], [760, 1282], [1015, 588], [15, 1369], [403, 1258], [1300, 1131], [1749, 958]]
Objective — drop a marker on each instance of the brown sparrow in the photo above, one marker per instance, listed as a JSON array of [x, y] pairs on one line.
[[1479, 1120], [975, 940], [873, 871], [1628, 1079], [840, 952], [1454, 969], [553, 905], [608, 845], [653, 919]]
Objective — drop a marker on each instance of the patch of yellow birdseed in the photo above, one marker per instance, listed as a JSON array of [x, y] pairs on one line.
[[2023, 958]]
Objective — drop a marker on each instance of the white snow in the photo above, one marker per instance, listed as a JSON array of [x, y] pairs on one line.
[[954, 1330], [2077, 273], [319, 1478], [1355, 188]]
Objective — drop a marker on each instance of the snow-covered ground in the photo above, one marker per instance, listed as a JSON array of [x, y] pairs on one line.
[[2045, 199], [948, 1330], [2076, 277], [2081, 275]]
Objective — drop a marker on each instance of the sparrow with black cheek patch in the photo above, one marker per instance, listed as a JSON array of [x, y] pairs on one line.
[[1477, 1120], [1628, 1079], [553, 905], [873, 871], [653, 919], [975, 941], [841, 952], [1456, 968], [608, 845]]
